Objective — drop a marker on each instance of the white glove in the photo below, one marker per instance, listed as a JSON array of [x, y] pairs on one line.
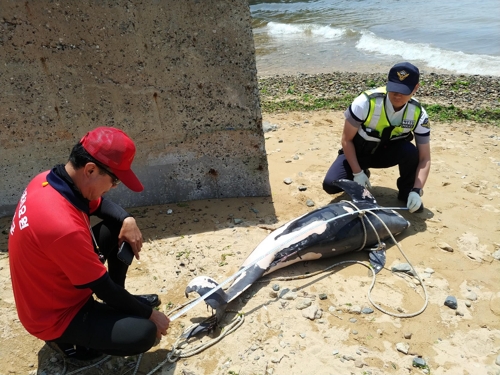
[[414, 201], [362, 179]]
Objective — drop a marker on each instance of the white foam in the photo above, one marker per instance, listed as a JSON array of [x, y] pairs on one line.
[[303, 30], [457, 62]]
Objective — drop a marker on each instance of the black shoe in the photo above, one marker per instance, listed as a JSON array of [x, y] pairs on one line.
[[81, 353], [151, 300]]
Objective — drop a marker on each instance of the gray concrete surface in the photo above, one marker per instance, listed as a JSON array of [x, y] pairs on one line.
[[178, 76]]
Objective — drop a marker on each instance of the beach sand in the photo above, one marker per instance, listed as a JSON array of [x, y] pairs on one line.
[[451, 245]]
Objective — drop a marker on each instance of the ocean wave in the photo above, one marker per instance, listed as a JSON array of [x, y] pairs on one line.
[[320, 31], [437, 58]]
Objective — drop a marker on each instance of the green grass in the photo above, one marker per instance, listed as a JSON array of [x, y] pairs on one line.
[[436, 112]]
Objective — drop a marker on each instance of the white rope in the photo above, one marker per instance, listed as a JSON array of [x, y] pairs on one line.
[[362, 214]]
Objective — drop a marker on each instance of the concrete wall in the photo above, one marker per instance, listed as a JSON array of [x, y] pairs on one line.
[[178, 76]]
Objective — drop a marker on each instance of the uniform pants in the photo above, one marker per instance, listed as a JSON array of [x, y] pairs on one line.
[[404, 154]]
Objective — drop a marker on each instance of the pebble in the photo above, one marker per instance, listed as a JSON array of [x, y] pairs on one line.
[[355, 309], [444, 246], [367, 310], [169, 211], [276, 287], [496, 255], [303, 303], [322, 296], [283, 292], [288, 180], [403, 267], [468, 303], [408, 335], [451, 302], [310, 203], [302, 188], [402, 347], [312, 312], [419, 362]]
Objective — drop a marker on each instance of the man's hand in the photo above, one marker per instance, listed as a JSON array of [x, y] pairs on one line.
[[131, 233], [414, 202], [362, 179], [161, 321]]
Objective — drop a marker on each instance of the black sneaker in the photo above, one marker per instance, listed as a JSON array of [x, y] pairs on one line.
[[79, 352], [151, 300]]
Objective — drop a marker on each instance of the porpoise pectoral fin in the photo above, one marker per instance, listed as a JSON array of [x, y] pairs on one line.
[[203, 285], [357, 192]]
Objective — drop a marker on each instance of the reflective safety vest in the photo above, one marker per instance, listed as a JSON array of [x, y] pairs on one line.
[[377, 128]]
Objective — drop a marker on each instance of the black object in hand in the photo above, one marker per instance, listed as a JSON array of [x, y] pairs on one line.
[[125, 253]]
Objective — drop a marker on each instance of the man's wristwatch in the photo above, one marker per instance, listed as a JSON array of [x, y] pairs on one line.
[[418, 191]]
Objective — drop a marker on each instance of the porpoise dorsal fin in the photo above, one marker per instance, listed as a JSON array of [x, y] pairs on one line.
[[357, 192]]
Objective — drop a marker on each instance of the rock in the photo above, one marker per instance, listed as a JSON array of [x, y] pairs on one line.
[[283, 292], [402, 347], [408, 335], [312, 312], [302, 188], [403, 267], [355, 309], [288, 180], [496, 255], [419, 362], [303, 303], [310, 203], [367, 310], [322, 296], [451, 302], [444, 246]]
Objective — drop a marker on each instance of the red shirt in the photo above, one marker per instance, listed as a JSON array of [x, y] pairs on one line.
[[50, 251]]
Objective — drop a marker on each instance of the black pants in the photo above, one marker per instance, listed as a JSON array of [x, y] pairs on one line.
[[404, 154], [101, 327]]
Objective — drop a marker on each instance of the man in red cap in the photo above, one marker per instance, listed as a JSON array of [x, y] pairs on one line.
[[57, 258], [379, 127]]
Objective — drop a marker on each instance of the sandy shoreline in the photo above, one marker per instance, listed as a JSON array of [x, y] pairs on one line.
[[462, 200]]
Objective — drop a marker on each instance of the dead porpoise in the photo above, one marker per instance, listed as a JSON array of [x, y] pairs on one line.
[[329, 231]]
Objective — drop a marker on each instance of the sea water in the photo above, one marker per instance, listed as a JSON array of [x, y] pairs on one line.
[[317, 36]]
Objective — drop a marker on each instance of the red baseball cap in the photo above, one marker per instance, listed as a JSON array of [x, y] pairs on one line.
[[113, 148]]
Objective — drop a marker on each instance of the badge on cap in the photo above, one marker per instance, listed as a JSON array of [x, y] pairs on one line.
[[403, 75]]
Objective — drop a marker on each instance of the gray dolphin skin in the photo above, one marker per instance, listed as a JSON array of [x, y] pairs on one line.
[[329, 231]]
